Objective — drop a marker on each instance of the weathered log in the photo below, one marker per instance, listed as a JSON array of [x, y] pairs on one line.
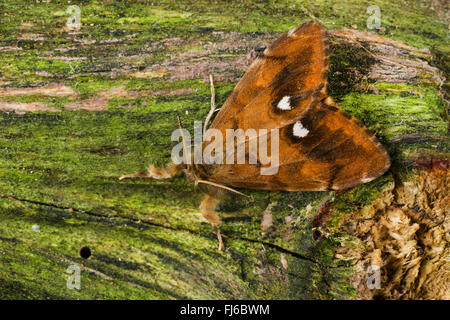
[[117, 100]]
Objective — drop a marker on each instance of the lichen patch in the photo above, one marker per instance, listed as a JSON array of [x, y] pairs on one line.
[[267, 220], [52, 90], [21, 108], [99, 102]]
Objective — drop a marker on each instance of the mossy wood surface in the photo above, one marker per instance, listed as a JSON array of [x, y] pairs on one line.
[[80, 108]]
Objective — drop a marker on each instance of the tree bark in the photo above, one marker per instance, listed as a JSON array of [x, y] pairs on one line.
[[61, 163]]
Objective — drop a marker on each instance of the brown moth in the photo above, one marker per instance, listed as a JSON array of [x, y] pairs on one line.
[[321, 147]]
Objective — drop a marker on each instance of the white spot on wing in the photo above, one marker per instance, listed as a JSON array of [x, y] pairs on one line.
[[329, 101], [299, 130], [284, 103]]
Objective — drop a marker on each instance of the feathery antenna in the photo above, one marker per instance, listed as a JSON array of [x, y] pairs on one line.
[[222, 186], [213, 105]]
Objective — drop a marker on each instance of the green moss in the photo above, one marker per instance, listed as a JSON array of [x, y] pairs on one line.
[[130, 261], [359, 197], [402, 111], [73, 159], [168, 18]]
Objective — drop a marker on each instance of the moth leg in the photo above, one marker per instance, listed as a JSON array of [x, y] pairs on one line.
[[156, 173], [219, 237], [207, 207]]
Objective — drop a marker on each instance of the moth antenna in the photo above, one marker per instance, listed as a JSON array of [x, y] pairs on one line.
[[187, 154], [213, 104], [222, 186]]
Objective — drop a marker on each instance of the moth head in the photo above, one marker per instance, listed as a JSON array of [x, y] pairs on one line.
[[191, 175]]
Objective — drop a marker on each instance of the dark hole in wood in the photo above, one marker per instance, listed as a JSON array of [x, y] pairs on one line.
[[85, 252]]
